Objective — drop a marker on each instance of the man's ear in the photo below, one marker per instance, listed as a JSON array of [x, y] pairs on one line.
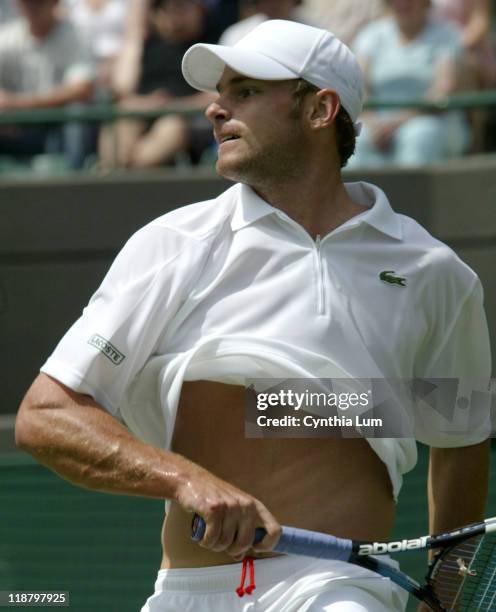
[[324, 109]]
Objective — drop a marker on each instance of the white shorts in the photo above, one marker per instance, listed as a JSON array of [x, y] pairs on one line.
[[283, 584]]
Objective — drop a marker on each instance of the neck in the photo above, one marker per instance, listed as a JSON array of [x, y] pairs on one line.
[[317, 201], [42, 31], [410, 31]]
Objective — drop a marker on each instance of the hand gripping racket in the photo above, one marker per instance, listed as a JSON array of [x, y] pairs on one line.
[[461, 576]]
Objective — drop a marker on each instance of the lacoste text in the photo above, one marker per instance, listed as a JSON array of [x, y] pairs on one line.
[[108, 349]]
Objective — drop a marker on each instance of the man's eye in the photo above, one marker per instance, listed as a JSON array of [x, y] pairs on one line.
[[246, 92]]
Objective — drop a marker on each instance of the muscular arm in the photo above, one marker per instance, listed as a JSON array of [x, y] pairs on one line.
[[71, 434], [457, 488], [458, 484]]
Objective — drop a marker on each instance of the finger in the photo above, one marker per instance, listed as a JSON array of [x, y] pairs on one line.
[[213, 530], [273, 529], [244, 539], [227, 534], [268, 543]]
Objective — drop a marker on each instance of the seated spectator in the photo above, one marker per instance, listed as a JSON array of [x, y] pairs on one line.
[[101, 25], [258, 11], [176, 24], [409, 55], [473, 17], [221, 15], [43, 64], [478, 69], [345, 18]]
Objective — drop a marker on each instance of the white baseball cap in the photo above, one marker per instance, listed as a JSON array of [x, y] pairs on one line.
[[278, 50]]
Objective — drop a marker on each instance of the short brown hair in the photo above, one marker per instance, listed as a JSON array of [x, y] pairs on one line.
[[345, 130]]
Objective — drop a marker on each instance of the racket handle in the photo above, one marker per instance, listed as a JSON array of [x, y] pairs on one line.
[[294, 541], [198, 527]]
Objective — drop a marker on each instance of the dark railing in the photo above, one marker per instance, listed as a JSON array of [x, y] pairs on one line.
[[110, 112]]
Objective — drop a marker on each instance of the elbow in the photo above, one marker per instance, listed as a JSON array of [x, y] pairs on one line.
[[36, 422], [32, 428], [24, 428]]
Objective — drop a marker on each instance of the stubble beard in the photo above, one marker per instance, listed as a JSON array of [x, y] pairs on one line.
[[280, 161]]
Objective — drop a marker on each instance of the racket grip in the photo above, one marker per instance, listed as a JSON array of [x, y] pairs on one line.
[[294, 541], [198, 527]]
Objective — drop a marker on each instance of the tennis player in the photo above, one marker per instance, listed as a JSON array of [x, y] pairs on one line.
[[288, 274]]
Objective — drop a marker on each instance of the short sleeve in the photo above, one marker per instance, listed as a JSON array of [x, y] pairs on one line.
[[447, 40], [9, 56], [124, 320], [365, 42], [453, 406], [79, 62]]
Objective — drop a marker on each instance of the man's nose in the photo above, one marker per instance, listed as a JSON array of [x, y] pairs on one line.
[[216, 112]]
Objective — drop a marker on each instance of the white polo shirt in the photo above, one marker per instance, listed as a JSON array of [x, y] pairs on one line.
[[36, 66], [233, 288]]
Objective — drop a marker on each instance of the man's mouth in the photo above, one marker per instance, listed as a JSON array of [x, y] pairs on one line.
[[228, 138]]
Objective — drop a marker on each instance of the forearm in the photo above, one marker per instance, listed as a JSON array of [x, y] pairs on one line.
[[197, 101], [126, 71], [127, 68], [96, 451], [75, 437], [458, 484], [445, 80], [61, 96], [478, 25]]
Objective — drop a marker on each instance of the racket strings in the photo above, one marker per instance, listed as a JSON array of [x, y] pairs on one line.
[[464, 577]]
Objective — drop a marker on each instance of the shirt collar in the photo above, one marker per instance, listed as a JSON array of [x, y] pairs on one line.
[[250, 208], [379, 213]]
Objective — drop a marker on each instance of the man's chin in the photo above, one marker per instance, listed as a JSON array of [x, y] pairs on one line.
[[230, 170]]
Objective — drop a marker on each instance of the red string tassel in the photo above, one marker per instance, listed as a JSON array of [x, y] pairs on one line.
[[242, 590], [251, 587]]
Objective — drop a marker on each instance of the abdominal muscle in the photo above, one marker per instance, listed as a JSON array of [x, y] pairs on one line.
[[337, 486]]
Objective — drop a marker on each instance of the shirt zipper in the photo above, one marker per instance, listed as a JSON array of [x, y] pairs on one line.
[[320, 281], [321, 299]]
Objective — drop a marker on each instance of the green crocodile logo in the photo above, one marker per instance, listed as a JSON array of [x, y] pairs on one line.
[[387, 277]]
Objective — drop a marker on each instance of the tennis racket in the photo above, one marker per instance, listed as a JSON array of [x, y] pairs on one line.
[[461, 576]]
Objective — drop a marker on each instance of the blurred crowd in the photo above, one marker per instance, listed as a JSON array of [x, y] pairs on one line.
[[59, 53]]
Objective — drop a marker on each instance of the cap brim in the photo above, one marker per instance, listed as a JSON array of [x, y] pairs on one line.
[[204, 64]]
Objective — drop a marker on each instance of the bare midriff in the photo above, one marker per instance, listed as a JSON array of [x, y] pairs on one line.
[[337, 486]]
